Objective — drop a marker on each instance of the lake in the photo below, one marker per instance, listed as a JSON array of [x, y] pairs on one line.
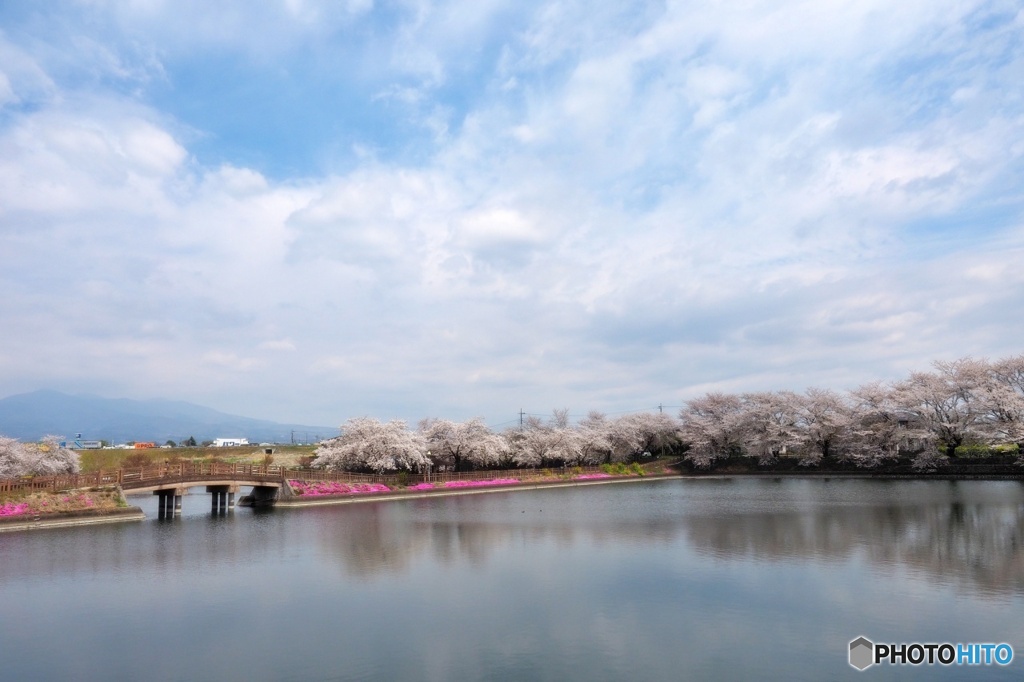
[[742, 578]]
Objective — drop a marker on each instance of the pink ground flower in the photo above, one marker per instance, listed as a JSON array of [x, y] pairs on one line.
[[317, 488], [590, 476], [13, 509], [479, 484]]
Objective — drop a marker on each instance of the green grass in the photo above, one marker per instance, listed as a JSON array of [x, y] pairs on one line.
[[285, 455]]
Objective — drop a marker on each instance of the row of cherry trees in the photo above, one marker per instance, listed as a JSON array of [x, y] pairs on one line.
[[46, 458], [366, 444], [928, 415]]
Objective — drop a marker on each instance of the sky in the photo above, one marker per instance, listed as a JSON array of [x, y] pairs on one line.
[[309, 211]]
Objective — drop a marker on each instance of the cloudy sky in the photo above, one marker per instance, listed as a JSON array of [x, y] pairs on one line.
[[307, 211]]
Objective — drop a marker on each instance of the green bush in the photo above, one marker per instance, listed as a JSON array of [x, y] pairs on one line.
[[980, 450]]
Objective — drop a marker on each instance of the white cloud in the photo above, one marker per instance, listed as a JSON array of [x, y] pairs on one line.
[[615, 208]]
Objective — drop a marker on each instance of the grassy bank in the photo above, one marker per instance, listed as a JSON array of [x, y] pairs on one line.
[[284, 455]]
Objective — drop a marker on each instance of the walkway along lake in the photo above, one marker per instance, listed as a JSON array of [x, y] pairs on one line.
[[725, 578]]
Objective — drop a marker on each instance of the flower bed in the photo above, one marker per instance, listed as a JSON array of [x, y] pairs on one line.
[[315, 488], [480, 484], [39, 503], [586, 477], [13, 509]]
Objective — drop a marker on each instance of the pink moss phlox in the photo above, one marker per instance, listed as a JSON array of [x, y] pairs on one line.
[[590, 476], [13, 509], [315, 488], [478, 484]]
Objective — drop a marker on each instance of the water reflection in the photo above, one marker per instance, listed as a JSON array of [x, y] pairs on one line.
[[949, 533], [652, 581]]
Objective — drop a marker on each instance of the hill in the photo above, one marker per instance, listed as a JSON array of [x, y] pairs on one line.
[[29, 416]]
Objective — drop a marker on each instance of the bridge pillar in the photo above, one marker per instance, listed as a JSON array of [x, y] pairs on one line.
[[223, 497], [261, 496], [169, 503], [162, 503]]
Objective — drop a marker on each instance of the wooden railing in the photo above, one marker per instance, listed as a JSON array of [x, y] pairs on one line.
[[144, 476]]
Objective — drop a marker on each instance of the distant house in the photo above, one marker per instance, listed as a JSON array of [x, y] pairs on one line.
[[229, 442]]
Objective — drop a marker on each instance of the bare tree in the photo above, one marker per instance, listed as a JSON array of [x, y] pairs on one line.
[[457, 444], [368, 444]]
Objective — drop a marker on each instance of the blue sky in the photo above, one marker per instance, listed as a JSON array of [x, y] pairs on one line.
[[308, 211]]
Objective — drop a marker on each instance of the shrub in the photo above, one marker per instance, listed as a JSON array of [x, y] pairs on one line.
[[136, 460]]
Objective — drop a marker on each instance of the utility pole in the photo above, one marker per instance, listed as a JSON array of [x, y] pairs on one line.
[[520, 419]]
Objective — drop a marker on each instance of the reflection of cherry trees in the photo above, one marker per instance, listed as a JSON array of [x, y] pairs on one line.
[[969, 534], [980, 545], [45, 458]]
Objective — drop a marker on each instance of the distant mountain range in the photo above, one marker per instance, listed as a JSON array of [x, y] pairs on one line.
[[30, 416]]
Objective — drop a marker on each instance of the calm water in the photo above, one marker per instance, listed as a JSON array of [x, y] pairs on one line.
[[662, 580]]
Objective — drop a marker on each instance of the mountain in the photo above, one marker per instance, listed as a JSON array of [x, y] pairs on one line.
[[30, 416]]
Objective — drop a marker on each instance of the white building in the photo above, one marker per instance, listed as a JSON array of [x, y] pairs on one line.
[[229, 442]]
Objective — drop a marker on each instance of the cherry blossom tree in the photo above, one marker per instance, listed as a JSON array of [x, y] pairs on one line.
[[366, 444], [948, 402], [1004, 401], [596, 443], [712, 427], [46, 458], [458, 444], [824, 419], [881, 426], [12, 458], [551, 443], [768, 424], [632, 435]]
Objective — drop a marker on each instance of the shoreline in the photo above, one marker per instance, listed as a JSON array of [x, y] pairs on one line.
[[88, 517], [83, 518], [299, 501]]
